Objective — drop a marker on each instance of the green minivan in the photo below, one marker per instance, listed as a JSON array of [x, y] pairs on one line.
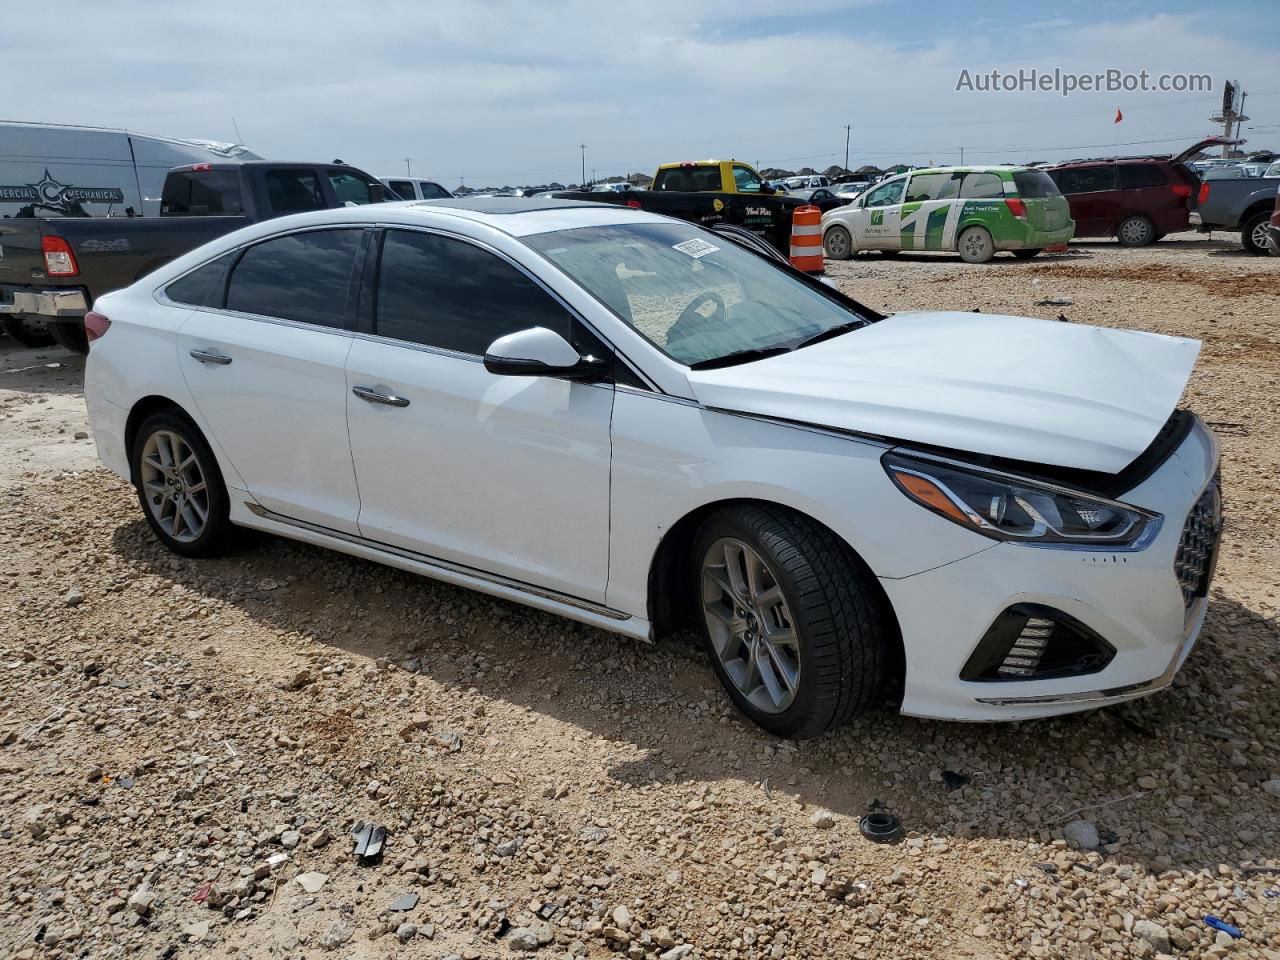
[[975, 211]]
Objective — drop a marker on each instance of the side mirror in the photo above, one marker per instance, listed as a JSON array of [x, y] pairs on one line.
[[539, 352], [377, 193]]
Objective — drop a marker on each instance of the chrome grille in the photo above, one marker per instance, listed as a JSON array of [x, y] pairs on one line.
[[1197, 550]]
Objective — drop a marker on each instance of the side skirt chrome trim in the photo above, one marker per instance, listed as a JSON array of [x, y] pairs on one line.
[[258, 510]]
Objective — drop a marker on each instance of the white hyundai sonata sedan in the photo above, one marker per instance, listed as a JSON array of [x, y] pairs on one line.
[[636, 423]]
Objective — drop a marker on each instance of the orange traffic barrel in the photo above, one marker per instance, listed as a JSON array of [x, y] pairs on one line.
[[806, 239]]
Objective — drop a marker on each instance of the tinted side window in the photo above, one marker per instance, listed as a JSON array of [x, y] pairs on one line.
[[204, 286], [933, 186], [351, 187], [404, 188], [1135, 175], [432, 191], [688, 179], [205, 192], [887, 194], [293, 191], [450, 294], [1085, 179], [304, 277], [982, 186]]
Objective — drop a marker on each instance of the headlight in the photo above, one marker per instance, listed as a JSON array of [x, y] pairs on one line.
[[1006, 507]]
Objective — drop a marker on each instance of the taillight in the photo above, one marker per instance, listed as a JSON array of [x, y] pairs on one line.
[[1204, 192], [59, 261], [95, 325], [1180, 190], [1016, 207], [633, 204], [201, 167]]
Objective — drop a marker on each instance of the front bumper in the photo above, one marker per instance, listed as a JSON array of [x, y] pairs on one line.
[[1132, 599], [56, 304]]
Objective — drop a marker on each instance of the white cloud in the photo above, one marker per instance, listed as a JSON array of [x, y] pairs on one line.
[[508, 90]]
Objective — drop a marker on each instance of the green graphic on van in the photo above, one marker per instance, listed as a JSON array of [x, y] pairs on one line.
[[877, 218]]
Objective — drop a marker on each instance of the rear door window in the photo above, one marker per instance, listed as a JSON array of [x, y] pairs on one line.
[[450, 294], [688, 179], [293, 190], [195, 193], [204, 286], [1135, 176], [404, 188], [981, 186], [304, 277], [1085, 179], [933, 186]]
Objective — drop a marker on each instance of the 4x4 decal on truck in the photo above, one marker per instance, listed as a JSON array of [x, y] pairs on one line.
[[61, 198]]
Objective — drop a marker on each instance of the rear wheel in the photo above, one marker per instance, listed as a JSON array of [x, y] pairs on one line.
[[1028, 254], [27, 331], [975, 245], [793, 622], [70, 335], [1135, 232], [837, 243], [180, 486], [1253, 234]]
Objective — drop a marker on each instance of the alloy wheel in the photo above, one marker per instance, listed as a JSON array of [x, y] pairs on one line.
[[837, 243], [1259, 236], [976, 244], [1134, 231], [174, 486], [750, 625]]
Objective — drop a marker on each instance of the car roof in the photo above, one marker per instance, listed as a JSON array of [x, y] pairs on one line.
[[987, 168]]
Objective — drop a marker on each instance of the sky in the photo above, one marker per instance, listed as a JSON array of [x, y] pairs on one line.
[[492, 93]]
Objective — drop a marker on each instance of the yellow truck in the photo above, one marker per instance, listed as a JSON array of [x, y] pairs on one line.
[[711, 176]]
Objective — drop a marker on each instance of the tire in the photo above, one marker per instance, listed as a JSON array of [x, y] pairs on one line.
[[27, 331], [1136, 231], [975, 245], [837, 244], [1253, 233], [1028, 254], [172, 431], [837, 654], [70, 335]]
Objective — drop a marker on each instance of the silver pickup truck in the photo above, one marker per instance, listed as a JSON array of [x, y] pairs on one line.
[[1239, 203]]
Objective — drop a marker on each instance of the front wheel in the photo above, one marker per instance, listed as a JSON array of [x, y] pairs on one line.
[[180, 486], [794, 624], [1028, 254], [1253, 235], [26, 331], [975, 245], [837, 243]]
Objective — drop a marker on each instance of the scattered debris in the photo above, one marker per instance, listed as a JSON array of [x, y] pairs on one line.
[[404, 902], [311, 881], [1055, 302], [1082, 834], [881, 828], [368, 839], [1211, 921]]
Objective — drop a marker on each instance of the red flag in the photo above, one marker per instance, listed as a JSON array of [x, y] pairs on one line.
[[1119, 116]]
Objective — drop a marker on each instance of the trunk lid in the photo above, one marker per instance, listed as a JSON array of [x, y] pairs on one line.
[[1039, 391]]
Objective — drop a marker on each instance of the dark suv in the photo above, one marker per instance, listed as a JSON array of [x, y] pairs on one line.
[[1137, 200]]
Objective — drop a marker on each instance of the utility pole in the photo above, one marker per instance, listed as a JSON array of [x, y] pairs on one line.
[[583, 148], [1231, 116], [962, 156], [847, 128], [408, 172]]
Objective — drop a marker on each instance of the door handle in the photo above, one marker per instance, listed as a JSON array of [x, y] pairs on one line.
[[209, 356], [370, 395]]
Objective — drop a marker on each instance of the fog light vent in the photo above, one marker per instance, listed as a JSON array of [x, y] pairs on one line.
[[1034, 642]]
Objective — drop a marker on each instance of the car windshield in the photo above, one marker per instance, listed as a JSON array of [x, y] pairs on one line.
[[692, 294]]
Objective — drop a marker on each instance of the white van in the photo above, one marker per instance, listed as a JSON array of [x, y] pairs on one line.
[[55, 170], [412, 188]]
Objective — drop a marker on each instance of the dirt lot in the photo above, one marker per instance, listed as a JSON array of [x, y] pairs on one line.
[[184, 746]]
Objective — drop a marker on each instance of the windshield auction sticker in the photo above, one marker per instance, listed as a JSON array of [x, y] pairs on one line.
[[696, 248]]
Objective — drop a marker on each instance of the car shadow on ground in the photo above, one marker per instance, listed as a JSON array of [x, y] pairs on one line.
[[1020, 780], [40, 370]]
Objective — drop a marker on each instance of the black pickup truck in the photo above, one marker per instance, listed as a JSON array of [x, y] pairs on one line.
[[52, 270]]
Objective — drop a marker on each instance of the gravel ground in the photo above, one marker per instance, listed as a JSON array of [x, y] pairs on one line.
[[185, 746]]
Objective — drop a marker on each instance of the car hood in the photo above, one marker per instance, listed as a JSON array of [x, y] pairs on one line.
[[1040, 391]]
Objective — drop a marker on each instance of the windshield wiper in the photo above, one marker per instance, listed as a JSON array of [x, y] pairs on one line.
[[830, 332], [739, 356]]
